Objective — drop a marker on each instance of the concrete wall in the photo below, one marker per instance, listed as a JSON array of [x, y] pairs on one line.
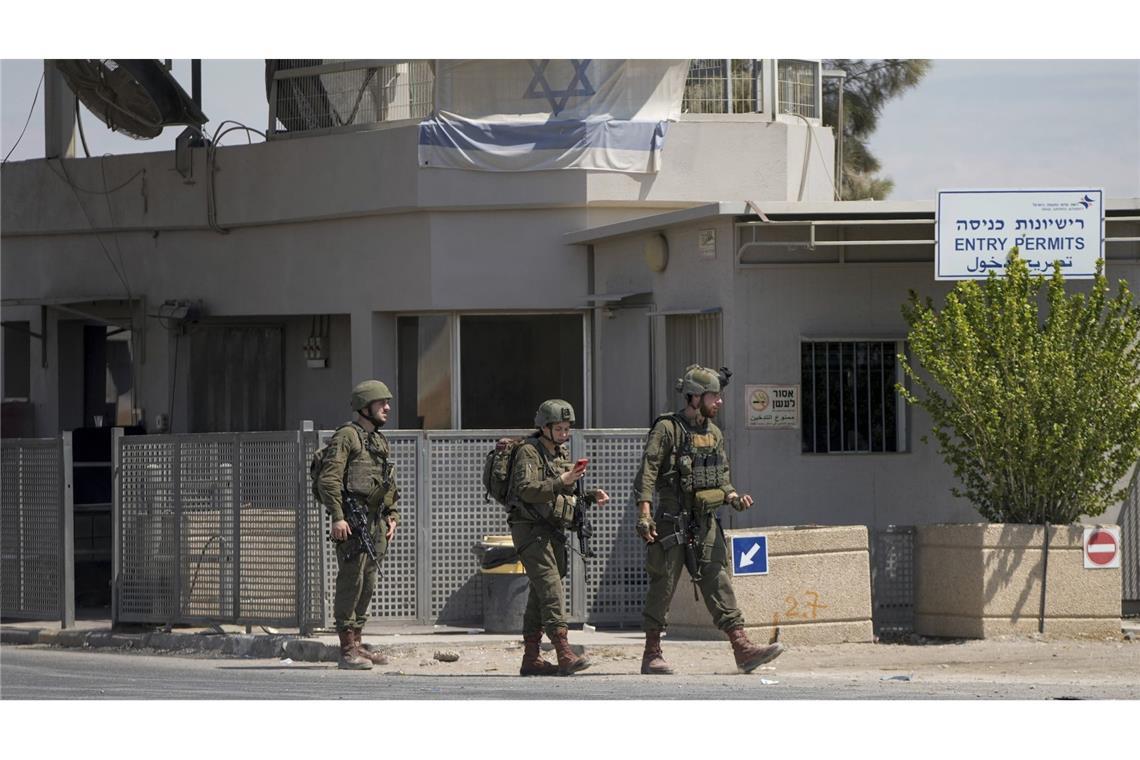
[[980, 581]]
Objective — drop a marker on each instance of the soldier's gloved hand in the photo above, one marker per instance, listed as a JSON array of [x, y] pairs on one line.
[[647, 529], [738, 502]]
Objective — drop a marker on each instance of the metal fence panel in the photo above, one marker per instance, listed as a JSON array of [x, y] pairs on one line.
[[460, 516], [395, 598], [1130, 542], [269, 544], [211, 528], [145, 503], [615, 581], [35, 545], [893, 580]]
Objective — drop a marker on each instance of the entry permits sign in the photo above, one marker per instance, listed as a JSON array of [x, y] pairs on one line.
[[749, 555], [975, 229], [772, 406]]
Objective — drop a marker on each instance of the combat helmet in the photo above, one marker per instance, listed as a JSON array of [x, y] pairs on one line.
[[698, 380], [552, 411], [367, 392]]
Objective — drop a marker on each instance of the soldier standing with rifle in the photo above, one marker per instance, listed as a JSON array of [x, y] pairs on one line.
[[543, 501], [685, 462], [357, 486]]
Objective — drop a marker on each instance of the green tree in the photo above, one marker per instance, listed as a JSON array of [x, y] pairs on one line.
[[1037, 414], [867, 88]]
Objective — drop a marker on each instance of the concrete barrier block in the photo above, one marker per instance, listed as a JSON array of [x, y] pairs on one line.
[[983, 580], [817, 589]]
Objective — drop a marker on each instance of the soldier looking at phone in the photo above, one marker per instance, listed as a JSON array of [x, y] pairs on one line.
[[543, 497]]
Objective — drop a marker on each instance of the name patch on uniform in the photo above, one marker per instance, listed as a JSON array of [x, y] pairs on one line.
[[703, 440]]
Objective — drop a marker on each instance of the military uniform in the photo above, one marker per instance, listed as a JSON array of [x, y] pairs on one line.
[[686, 465], [690, 484], [542, 508], [356, 463], [360, 465]]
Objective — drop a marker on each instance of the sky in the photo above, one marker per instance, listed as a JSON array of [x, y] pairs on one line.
[[969, 124]]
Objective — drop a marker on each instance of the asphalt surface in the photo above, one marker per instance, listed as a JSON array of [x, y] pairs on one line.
[[34, 673]]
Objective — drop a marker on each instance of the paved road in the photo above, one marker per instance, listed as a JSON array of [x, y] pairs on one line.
[[41, 673]]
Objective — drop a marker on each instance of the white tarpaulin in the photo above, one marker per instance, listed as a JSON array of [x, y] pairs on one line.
[[533, 115]]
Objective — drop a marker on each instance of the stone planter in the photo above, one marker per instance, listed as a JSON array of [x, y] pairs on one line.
[[984, 580], [817, 590]]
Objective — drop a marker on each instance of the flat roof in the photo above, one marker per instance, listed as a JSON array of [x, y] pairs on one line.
[[818, 210]]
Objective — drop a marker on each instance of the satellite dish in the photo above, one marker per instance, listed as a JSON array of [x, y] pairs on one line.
[[135, 97]]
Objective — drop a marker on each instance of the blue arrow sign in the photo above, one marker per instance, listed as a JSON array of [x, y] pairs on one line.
[[749, 555]]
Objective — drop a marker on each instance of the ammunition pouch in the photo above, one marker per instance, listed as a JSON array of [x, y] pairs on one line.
[[562, 511], [708, 500]]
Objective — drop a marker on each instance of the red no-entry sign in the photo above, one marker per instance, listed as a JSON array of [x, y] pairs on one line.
[[1102, 547]]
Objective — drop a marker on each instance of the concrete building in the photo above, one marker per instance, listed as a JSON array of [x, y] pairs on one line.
[[247, 287]]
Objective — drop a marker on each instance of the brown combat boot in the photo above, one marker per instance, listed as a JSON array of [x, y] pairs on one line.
[[748, 655], [349, 659], [533, 663], [653, 661], [568, 662], [362, 649]]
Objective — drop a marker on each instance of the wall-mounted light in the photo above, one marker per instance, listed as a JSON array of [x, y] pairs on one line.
[[656, 252]]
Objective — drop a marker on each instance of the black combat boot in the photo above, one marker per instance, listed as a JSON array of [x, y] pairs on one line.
[[653, 661], [349, 659], [363, 650], [748, 655], [533, 663], [568, 662]]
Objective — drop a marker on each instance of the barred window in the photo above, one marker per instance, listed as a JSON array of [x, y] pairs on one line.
[[798, 87], [850, 404], [706, 88]]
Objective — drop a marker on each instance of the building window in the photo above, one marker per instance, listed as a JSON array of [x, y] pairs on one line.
[[692, 339], [17, 360], [511, 363], [850, 403], [423, 393], [798, 86], [706, 89]]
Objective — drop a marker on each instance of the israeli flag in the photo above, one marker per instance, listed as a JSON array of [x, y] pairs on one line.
[[535, 115]]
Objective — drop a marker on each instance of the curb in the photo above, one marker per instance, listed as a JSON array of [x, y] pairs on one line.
[[240, 645]]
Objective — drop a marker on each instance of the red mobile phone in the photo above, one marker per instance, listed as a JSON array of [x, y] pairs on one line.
[[581, 464]]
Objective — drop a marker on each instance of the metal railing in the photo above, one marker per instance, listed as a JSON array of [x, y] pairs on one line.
[[307, 97], [37, 546]]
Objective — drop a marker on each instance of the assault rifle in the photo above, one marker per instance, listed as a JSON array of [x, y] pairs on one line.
[[581, 524], [356, 515]]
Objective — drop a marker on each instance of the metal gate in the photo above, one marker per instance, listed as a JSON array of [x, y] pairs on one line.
[[1130, 546], [37, 546], [892, 580], [213, 528]]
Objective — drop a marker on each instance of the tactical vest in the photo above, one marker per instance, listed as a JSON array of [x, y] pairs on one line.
[[698, 464], [560, 512], [369, 474]]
